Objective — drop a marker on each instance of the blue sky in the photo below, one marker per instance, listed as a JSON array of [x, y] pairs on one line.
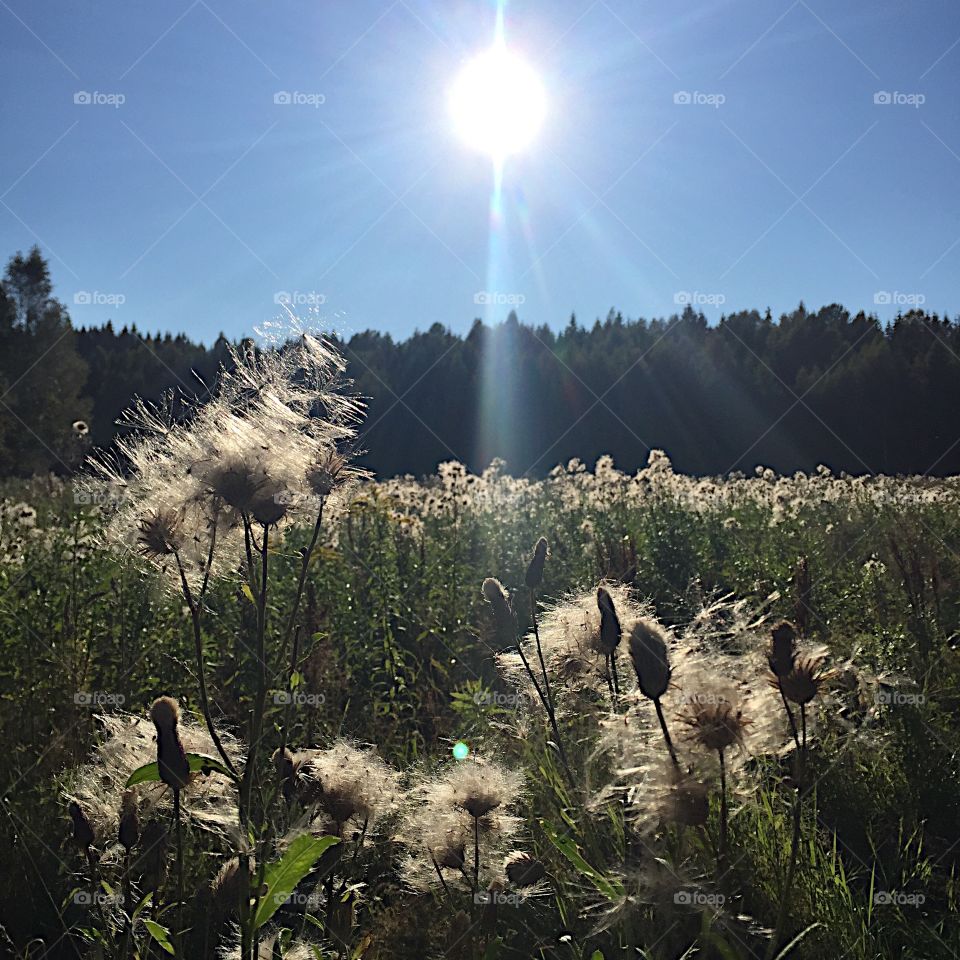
[[195, 202]]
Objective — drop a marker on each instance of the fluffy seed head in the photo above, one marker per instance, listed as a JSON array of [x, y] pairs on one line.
[[160, 533], [171, 757], [165, 713], [479, 787], [715, 724], [648, 651]]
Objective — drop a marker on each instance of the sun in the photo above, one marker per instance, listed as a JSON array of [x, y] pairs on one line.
[[498, 103]]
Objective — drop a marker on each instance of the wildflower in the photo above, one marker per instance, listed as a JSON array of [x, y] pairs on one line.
[[171, 757]]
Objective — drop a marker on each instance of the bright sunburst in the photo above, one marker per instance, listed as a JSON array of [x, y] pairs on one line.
[[498, 103]]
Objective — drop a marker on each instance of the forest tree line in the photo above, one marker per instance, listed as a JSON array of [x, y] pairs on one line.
[[790, 392]]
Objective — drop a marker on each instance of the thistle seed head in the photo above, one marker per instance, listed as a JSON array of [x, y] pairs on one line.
[[610, 630], [129, 829], [171, 757], [648, 651], [83, 835], [534, 575], [783, 648], [523, 869], [716, 724], [805, 679]]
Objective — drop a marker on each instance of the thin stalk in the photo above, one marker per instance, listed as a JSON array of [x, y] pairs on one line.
[[666, 735], [194, 607], [476, 856], [443, 882], [722, 849], [789, 712], [181, 901], [536, 636], [613, 671], [795, 838]]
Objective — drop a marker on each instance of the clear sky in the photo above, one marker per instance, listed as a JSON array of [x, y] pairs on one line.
[[196, 201]]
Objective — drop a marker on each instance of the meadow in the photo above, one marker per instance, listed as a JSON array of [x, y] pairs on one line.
[[258, 704]]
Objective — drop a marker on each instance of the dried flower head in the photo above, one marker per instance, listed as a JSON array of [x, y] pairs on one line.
[[128, 831], [610, 629], [715, 725], [783, 648], [171, 757], [83, 833], [479, 787], [161, 533], [805, 679], [80, 428], [648, 651], [534, 576], [523, 869]]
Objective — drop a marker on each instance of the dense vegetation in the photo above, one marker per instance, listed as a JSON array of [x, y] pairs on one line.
[[398, 649], [809, 388]]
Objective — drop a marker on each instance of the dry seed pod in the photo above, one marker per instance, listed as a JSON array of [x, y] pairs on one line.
[[523, 869], [783, 648], [535, 571], [648, 651], [171, 757], [129, 829], [610, 630], [82, 827]]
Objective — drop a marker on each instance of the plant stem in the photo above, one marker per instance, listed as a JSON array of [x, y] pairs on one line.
[[722, 849], [476, 856], [194, 607], [181, 902], [666, 735]]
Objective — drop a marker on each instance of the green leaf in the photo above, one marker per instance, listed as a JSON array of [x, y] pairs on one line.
[[150, 772], [160, 934], [145, 902], [597, 955], [248, 593], [610, 889], [796, 940], [282, 877]]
